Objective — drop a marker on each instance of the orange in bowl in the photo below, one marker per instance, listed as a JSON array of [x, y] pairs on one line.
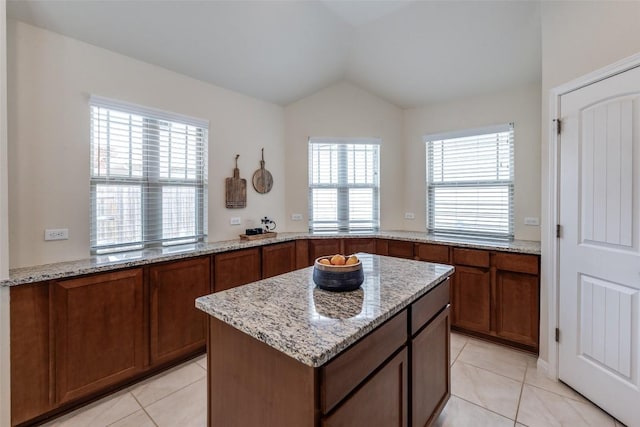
[[338, 260]]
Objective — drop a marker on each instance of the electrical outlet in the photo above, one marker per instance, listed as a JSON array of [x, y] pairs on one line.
[[409, 215], [235, 220], [531, 220], [296, 217], [56, 234]]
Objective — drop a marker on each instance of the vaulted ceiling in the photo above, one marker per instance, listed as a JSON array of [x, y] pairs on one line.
[[411, 53]]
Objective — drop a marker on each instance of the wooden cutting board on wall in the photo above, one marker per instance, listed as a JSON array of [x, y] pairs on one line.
[[236, 189]]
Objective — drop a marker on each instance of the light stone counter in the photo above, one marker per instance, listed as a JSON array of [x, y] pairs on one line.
[[111, 262], [290, 314]]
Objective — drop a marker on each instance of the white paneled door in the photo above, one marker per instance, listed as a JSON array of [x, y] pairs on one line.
[[599, 281]]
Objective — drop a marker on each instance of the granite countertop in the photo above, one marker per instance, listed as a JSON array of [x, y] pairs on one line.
[[290, 314], [102, 263]]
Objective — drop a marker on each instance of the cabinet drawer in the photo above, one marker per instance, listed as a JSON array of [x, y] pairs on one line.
[[429, 305], [517, 262], [471, 257], [432, 253], [381, 401], [349, 369]]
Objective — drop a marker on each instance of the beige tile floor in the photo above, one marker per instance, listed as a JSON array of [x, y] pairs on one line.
[[491, 386]]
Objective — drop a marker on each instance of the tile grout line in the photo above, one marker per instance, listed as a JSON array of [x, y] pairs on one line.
[[492, 372], [587, 402], [172, 393], [482, 407], [145, 410], [121, 418], [459, 353], [521, 391]]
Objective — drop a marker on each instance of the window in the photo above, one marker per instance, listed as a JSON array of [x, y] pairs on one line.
[[148, 177], [343, 185], [470, 182]]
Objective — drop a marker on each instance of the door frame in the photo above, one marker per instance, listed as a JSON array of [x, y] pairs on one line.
[[550, 244]]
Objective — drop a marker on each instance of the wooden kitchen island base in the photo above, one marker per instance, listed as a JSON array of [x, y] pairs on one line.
[[396, 375]]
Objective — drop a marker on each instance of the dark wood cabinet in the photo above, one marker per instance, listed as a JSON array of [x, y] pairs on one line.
[[398, 369], [471, 298], [380, 401], [341, 376], [517, 296], [382, 247], [29, 337], [351, 246], [323, 247], [177, 327], [302, 254], [98, 332], [278, 259], [497, 295], [431, 253], [430, 347], [236, 268], [72, 340], [400, 249], [431, 385]]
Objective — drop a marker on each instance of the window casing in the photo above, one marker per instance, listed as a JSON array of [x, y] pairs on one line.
[[344, 185], [148, 177], [470, 182]]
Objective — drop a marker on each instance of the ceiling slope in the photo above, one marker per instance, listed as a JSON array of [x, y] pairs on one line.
[[409, 52]]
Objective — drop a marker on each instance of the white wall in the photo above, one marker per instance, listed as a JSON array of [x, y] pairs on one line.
[[5, 398], [50, 78], [520, 106], [577, 38], [344, 110]]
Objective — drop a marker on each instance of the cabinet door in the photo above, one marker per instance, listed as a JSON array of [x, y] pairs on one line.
[[30, 384], [322, 247], [400, 249], [177, 327], [382, 247], [236, 268], [278, 259], [351, 246], [432, 253], [431, 373], [471, 290], [379, 402], [517, 307], [302, 254], [99, 332]]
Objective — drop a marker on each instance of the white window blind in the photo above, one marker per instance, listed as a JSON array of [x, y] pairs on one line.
[[470, 182], [343, 185], [148, 177]]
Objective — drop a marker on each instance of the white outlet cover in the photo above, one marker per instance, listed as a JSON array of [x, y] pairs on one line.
[[56, 234], [296, 217], [532, 220], [235, 220], [409, 215]]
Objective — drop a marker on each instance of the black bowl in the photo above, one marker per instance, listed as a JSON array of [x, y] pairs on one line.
[[338, 278]]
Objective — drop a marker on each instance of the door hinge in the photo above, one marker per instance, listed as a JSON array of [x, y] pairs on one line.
[[557, 334], [558, 125], [558, 231]]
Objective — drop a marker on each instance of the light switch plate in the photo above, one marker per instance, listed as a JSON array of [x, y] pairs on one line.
[[235, 220], [531, 220], [409, 215], [296, 217]]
